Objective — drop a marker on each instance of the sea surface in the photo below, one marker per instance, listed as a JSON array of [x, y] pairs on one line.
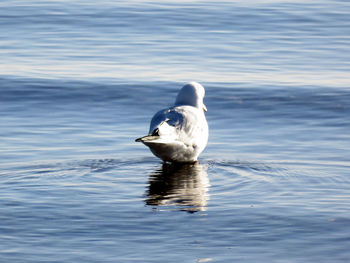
[[80, 81]]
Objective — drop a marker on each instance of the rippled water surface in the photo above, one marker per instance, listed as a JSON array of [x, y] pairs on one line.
[[80, 81]]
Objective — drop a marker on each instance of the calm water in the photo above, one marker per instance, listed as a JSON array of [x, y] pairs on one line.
[[80, 81]]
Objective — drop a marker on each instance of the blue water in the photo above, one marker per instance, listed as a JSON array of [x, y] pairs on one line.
[[80, 81]]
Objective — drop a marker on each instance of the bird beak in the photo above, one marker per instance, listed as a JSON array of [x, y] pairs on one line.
[[204, 107]]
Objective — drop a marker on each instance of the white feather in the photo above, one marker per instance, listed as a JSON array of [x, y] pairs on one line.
[[180, 133]]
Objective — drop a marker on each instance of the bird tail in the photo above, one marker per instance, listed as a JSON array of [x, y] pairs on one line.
[[147, 138], [162, 134]]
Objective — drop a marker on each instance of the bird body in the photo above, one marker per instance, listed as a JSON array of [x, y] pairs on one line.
[[180, 133]]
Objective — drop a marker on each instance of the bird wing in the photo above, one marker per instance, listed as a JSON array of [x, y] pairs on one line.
[[177, 124]]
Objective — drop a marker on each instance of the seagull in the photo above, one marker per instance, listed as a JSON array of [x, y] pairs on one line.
[[180, 133]]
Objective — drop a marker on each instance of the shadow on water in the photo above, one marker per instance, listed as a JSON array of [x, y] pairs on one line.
[[185, 186]]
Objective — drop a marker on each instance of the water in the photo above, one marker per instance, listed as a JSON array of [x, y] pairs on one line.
[[80, 81]]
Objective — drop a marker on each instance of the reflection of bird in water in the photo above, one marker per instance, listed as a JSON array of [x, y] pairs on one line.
[[183, 185]]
